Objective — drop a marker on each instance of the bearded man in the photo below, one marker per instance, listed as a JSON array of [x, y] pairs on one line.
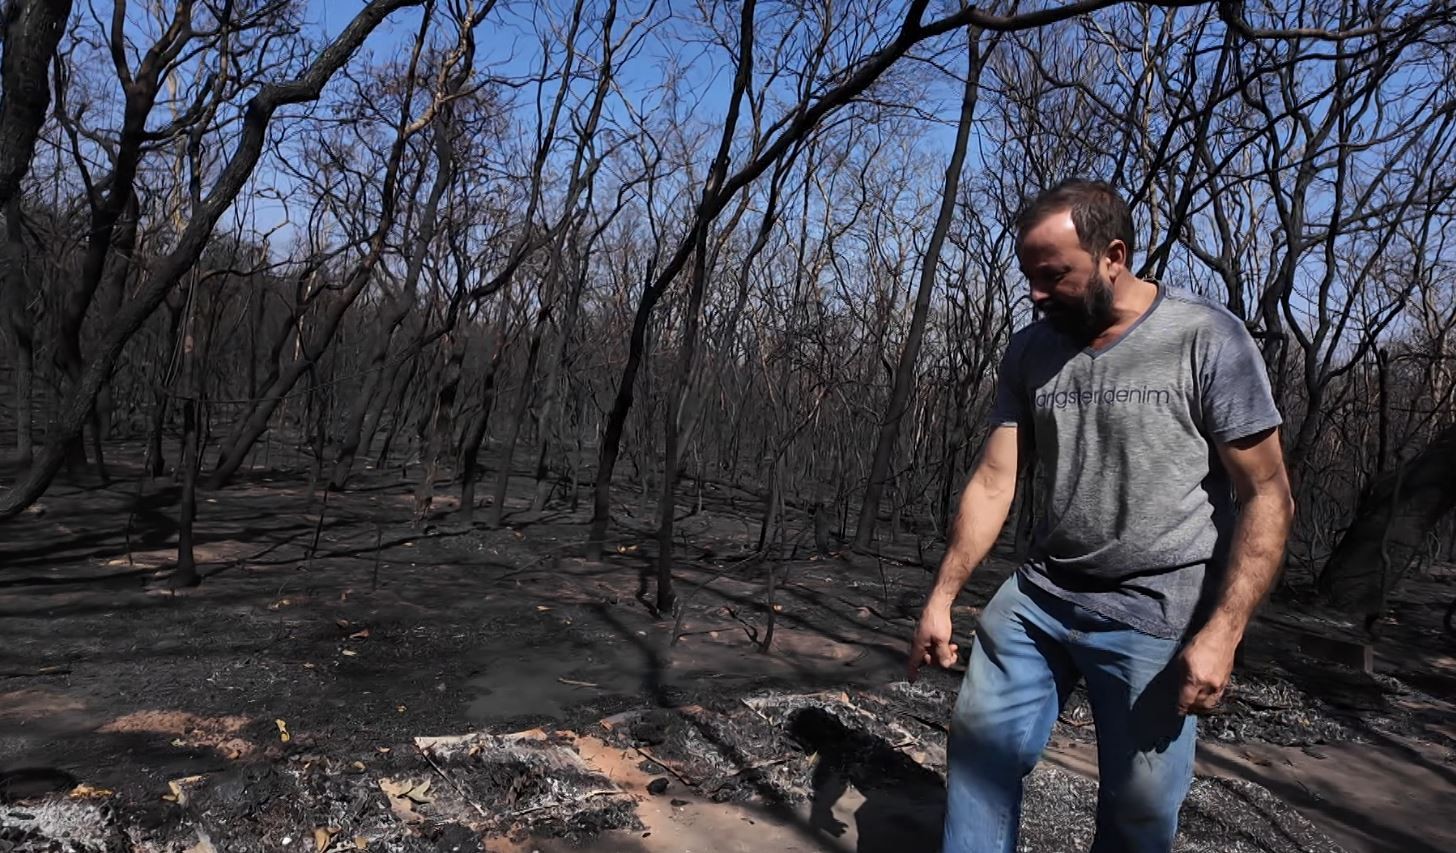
[[1148, 410]]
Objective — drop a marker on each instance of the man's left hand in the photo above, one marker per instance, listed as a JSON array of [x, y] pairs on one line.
[[1205, 664]]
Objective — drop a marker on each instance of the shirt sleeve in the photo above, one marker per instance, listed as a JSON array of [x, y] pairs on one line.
[[1237, 399], [1011, 407]]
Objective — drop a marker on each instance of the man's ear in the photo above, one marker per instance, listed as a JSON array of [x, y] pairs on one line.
[[1116, 256]]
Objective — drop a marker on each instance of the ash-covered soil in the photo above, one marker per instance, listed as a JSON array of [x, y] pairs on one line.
[[289, 702]]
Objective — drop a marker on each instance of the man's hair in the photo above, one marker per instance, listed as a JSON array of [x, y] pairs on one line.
[[1098, 212]]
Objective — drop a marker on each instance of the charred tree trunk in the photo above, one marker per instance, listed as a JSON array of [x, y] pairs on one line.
[[475, 435], [315, 422], [394, 314], [1392, 520], [772, 509], [14, 279], [518, 417], [161, 399], [678, 410], [472, 437], [611, 445], [904, 384], [398, 409], [24, 397], [675, 413], [439, 429], [714, 198], [189, 383], [366, 402], [255, 336], [581, 177], [552, 403], [156, 455], [32, 31], [395, 406], [389, 390], [186, 573], [255, 424]]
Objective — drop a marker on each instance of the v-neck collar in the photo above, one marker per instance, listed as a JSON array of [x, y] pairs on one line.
[[1157, 300]]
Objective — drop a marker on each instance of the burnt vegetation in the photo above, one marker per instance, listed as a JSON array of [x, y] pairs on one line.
[[696, 295]]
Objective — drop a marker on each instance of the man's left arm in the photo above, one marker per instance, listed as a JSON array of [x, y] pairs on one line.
[[1266, 509]]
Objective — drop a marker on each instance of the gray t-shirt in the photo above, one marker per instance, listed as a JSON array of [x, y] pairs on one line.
[[1135, 511]]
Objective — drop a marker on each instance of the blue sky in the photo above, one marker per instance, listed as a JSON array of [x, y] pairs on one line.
[[509, 45]]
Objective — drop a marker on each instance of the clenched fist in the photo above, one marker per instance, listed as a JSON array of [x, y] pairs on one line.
[[932, 644], [1204, 664]]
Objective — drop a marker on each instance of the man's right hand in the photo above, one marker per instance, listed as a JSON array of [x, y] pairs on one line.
[[932, 643]]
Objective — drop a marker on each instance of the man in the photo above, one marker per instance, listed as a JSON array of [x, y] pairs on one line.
[[1147, 408]]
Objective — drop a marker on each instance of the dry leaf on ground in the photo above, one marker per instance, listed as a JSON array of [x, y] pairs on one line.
[[404, 796], [323, 836]]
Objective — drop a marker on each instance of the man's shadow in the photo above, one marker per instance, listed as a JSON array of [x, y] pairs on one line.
[[904, 803]]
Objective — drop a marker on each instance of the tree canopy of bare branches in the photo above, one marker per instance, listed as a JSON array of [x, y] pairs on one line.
[[650, 247]]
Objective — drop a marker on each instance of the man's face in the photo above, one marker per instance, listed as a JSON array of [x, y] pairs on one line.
[[1067, 283]]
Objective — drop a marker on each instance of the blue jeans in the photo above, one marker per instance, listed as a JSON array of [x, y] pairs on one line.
[[1029, 650]]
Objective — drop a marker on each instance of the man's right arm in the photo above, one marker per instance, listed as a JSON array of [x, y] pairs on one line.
[[980, 516]]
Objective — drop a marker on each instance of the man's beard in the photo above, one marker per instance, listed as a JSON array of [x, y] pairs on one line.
[[1087, 317]]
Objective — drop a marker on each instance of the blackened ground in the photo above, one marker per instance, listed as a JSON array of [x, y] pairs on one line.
[[384, 632]]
